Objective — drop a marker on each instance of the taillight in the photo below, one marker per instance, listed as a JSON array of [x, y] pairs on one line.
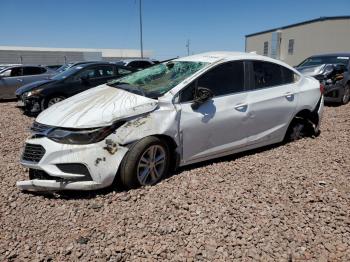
[[322, 89]]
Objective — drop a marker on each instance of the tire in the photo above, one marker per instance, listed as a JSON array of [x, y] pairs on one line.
[[298, 129], [346, 96], [52, 100], [139, 166]]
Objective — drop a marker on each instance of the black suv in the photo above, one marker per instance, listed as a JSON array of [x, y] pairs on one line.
[[37, 96]]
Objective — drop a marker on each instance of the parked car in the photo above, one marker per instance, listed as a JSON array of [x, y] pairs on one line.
[[13, 77], [137, 128], [138, 63], [40, 95], [333, 71]]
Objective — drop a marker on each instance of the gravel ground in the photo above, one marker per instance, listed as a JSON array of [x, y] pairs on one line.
[[285, 203]]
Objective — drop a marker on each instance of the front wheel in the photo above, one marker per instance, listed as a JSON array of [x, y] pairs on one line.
[[53, 100], [146, 163], [346, 95]]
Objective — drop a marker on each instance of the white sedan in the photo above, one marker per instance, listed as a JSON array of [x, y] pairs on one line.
[[137, 129]]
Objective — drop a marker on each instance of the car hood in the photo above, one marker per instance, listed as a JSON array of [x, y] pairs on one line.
[[31, 86], [96, 107], [311, 70]]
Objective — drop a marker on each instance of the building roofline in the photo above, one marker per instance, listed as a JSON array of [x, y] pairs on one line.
[[322, 18]]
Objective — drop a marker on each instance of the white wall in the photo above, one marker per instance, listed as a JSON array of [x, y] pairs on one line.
[[328, 36]]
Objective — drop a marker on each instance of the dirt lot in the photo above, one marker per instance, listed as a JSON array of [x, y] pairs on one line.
[[286, 203]]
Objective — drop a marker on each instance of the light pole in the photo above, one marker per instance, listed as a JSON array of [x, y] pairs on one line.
[[188, 46], [141, 29]]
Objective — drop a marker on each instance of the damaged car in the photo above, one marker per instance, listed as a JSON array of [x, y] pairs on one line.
[[332, 70], [137, 129]]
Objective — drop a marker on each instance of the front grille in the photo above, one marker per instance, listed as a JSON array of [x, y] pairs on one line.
[[33, 153]]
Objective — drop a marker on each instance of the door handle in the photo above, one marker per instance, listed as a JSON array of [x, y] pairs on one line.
[[289, 96], [241, 107]]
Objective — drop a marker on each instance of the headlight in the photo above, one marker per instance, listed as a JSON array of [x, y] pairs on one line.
[[80, 137], [33, 92]]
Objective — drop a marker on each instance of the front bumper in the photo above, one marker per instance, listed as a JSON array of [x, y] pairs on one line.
[[333, 92], [101, 165], [30, 104]]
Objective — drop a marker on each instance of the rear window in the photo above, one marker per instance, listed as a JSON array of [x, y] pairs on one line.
[[268, 74]]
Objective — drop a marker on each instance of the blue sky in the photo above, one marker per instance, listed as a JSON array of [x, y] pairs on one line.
[[209, 24]]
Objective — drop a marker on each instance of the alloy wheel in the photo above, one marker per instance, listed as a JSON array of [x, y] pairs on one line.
[[151, 165], [54, 100]]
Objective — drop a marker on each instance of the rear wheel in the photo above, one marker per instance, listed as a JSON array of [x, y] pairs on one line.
[[146, 163], [346, 95], [298, 129]]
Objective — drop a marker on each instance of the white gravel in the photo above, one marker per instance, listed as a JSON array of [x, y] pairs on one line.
[[285, 203]]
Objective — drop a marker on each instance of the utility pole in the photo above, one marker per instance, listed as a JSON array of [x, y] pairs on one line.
[[141, 28], [188, 46]]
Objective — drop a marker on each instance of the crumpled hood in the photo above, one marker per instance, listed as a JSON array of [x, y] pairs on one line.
[[31, 86], [311, 70], [96, 107]]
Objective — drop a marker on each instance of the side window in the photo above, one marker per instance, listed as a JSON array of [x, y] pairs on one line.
[[6, 73], [288, 75], [267, 74], [105, 71], [43, 70], [224, 79], [31, 70], [123, 71], [96, 72], [16, 71]]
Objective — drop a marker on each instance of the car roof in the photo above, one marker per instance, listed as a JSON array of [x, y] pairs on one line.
[[93, 64], [135, 59], [214, 57]]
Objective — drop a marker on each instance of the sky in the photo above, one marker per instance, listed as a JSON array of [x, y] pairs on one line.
[[210, 25]]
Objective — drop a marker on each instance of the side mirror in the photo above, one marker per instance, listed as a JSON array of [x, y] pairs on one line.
[[202, 95]]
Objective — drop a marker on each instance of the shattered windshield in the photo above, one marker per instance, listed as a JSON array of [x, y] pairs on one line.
[[159, 79], [320, 60]]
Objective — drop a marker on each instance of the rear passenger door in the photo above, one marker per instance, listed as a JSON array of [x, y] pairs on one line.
[[272, 99]]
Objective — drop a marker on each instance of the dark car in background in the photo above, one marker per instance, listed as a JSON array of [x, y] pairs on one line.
[[37, 96], [333, 71], [13, 77], [138, 63]]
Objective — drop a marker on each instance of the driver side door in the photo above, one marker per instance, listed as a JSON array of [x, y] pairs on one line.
[[218, 126]]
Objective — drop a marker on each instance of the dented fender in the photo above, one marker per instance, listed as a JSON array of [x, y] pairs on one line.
[[163, 121]]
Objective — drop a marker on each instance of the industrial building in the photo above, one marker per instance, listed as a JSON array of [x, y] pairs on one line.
[[58, 56], [293, 43]]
